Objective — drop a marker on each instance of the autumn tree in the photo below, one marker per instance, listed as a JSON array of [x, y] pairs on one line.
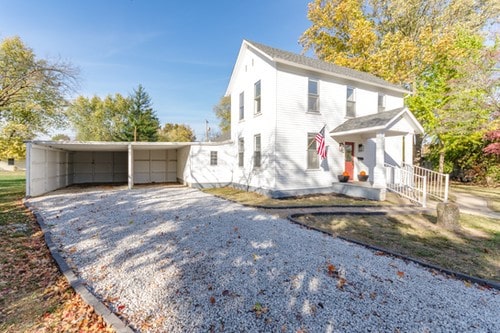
[[96, 119], [426, 46], [223, 112], [176, 133], [60, 137], [141, 123], [33, 94]]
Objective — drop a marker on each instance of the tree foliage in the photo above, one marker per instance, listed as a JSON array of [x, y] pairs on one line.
[[435, 48], [141, 123], [96, 119], [33, 94], [223, 112], [60, 137], [114, 118], [176, 133]]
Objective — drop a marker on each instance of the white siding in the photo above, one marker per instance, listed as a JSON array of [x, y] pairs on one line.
[[99, 167], [195, 169], [252, 69], [155, 166], [48, 170]]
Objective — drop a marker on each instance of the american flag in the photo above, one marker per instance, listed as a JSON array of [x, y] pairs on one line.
[[321, 144]]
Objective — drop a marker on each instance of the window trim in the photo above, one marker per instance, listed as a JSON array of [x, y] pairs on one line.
[[257, 151], [257, 98], [312, 150], [350, 107], [241, 152], [311, 95], [214, 160], [242, 105], [381, 107]]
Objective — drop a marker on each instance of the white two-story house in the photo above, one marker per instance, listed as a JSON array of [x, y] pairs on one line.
[[279, 103], [281, 100]]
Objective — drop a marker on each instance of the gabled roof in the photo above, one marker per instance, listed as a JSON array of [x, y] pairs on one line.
[[377, 122], [298, 60]]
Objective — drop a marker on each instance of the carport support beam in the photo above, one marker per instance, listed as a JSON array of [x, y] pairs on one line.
[[28, 169], [130, 167]]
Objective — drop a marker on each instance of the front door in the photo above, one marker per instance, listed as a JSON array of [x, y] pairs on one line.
[[349, 159]]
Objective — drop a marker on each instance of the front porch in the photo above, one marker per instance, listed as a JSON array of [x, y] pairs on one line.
[[357, 189]]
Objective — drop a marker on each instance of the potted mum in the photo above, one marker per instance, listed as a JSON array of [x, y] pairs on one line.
[[344, 177], [363, 176]]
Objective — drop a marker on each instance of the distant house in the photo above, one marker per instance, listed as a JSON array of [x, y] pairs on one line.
[[279, 103], [12, 164]]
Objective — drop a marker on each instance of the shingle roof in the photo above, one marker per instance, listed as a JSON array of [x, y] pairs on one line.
[[277, 54], [373, 120]]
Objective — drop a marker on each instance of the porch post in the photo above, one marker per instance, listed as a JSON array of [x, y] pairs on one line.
[[130, 166], [379, 177]]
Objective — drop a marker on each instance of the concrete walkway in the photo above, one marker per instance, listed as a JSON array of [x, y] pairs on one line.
[[474, 205], [470, 204]]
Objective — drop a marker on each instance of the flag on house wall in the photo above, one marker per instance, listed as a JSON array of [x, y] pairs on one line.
[[321, 144]]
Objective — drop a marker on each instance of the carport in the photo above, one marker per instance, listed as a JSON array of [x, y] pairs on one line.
[[55, 164]]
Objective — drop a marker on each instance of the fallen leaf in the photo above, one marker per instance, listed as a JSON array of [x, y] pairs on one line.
[[121, 307], [225, 293], [341, 283], [212, 300], [401, 274]]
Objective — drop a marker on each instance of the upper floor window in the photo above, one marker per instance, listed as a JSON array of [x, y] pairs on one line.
[[312, 154], [241, 151], [257, 106], [242, 105], [381, 102], [213, 158], [351, 103], [313, 96], [256, 154]]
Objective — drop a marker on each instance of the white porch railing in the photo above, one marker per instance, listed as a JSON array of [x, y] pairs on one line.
[[406, 183], [437, 183]]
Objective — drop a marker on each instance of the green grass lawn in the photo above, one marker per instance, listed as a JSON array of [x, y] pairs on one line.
[[474, 249], [255, 199], [34, 296]]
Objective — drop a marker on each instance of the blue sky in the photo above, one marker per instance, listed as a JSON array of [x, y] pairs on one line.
[[182, 52]]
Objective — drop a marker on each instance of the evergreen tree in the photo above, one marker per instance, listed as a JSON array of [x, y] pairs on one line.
[[141, 124]]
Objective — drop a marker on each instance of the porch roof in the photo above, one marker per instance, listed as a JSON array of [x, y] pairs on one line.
[[393, 122]]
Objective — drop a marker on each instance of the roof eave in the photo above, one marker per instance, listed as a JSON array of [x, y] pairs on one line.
[[357, 131], [346, 77]]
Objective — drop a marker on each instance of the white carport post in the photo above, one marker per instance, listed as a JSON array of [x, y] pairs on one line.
[[130, 166], [28, 169], [379, 177]]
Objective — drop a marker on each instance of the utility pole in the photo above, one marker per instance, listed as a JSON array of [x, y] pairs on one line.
[[207, 130]]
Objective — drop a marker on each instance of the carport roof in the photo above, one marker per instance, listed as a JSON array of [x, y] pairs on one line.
[[111, 146]]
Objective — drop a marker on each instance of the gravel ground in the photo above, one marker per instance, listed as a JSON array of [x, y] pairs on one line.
[[178, 260]]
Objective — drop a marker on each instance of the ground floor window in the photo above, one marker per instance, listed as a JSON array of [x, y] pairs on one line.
[[256, 155], [241, 151], [312, 154], [10, 161], [213, 158]]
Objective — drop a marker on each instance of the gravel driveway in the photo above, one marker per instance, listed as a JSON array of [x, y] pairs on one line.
[[178, 260]]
